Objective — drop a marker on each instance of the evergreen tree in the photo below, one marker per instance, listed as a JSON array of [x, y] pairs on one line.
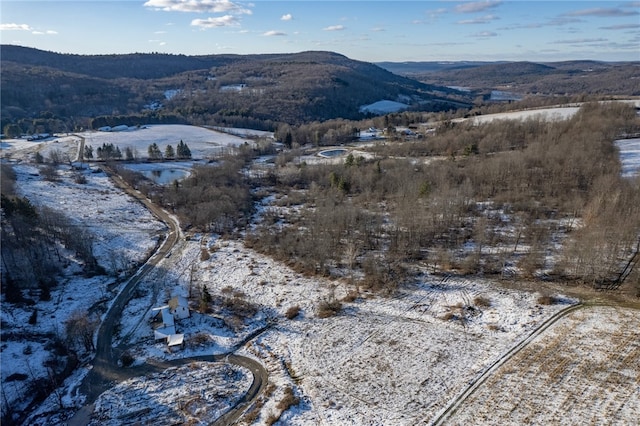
[[154, 152], [183, 150], [88, 152], [128, 154], [169, 152]]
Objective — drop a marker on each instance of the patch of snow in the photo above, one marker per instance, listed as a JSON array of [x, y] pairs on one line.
[[629, 156], [170, 94], [383, 107]]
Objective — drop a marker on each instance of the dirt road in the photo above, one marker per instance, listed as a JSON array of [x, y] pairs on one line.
[[105, 372]]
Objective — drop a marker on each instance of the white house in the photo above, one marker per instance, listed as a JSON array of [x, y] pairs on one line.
[[179, 307], [164, 313]]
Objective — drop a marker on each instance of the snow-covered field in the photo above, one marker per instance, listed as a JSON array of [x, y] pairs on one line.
[[547, 114], [629, 156], [558, 113], [382, 360], [203, 142], [587, 364]]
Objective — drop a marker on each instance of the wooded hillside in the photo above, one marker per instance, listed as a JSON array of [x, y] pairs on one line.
[[555, 78], [245, 90]]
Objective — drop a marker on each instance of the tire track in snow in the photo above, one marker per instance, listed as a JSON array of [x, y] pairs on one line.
[[479, 381]]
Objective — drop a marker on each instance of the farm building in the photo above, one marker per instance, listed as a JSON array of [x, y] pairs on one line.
[[165, 316]]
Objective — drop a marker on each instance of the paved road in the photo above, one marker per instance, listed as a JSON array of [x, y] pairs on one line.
[[105, 372]]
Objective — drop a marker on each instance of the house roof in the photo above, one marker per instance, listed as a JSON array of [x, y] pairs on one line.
[[175, 340], [176, 301], [167, 317], [164, 332]]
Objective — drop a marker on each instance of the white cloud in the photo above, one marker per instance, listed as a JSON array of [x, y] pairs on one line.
[[274, 33], [435, 13], [603, 12], [621, 27], [479, 20], [335, 28], [287, 17], [15, 27], [478, 6], [198, 6], [222, 21], [48, 32], [581, 41], [485, 34]]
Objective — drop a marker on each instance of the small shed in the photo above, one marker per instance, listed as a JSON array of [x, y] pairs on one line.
[[175, 341]]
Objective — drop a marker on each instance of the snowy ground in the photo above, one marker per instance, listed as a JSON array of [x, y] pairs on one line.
[[396, 360], [119, 244], [202, 142], [591, 361], [629, 156], [179, 395], [561, 112]]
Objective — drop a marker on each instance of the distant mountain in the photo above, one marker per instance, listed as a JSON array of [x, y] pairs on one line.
[[233, 89], [552, 78], [411, 68]]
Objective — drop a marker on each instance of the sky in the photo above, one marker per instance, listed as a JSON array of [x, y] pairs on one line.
[[372, 31]]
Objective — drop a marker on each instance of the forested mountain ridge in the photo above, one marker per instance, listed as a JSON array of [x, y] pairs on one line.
[[250, 90], [553, 78]]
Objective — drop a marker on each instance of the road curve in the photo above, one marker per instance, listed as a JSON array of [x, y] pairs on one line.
[[105, 372], [478, 381]]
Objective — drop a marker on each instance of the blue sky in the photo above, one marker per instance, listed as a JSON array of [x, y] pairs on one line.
[[371, 31]]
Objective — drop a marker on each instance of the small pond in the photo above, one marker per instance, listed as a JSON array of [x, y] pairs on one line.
[[332, 152], [165, 176]]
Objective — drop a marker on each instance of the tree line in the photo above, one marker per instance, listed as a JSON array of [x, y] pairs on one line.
[[491, 199]]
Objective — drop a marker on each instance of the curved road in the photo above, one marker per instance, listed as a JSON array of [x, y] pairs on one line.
[[106, 372]]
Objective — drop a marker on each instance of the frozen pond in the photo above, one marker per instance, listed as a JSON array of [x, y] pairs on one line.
[[163, 173], [165, 176], [329, 153], [629, 156]]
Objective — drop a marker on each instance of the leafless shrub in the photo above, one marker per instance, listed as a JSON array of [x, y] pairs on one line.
[[292, 312], [288, 401], [546, 299], [80, 178], [204, 255], [448, 316], [328, 308], [482, 301], [199, 339], [350, 296], [49, 173]]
